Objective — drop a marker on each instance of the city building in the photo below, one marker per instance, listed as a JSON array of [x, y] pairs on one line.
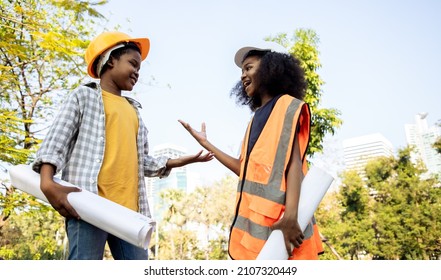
[[179, 178], [422, 137], [359, 150]]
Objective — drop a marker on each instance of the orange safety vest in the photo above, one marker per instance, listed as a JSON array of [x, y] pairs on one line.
[[260, 199]]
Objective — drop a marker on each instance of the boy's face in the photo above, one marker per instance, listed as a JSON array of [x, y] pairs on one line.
[[249, 80], [125, 70]]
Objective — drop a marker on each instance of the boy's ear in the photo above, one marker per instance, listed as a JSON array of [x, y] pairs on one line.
[[110, 62]]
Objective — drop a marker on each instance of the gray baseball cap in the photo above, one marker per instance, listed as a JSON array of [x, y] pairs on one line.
[[263, 46]]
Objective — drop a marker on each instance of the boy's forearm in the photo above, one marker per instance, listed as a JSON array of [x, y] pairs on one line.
[[184, 160], [173, 163], [47, 172]]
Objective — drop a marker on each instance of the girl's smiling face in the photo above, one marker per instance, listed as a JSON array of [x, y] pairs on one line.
[[249, 79]]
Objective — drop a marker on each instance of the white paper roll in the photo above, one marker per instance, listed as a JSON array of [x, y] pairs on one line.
[[107, 215], [314, 187], [274, 248]]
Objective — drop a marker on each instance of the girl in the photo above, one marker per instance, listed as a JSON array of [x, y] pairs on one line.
[[272, 162]]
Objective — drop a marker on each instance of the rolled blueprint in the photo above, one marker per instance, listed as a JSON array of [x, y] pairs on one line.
[[274, 248], [314, 187], [107, 215]]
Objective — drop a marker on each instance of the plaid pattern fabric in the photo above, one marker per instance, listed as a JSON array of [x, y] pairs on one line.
[[75, 144]]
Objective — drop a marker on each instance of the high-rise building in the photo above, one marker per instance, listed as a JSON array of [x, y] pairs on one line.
[[422, 137], [359, 150], [177, 179]]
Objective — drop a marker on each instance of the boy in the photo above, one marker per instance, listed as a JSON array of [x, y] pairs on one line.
[[99, 141]]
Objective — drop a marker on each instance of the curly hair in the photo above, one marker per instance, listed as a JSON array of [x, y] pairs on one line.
[[278, 73]]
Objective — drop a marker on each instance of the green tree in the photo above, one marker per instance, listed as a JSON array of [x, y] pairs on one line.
[[177, 244], [41, 55], [175, 241], [355, 232], [304, 45], [407, 209], [36, 232], [212, 209], [195, 225], [330, 225], [11, 138], [391, 213]]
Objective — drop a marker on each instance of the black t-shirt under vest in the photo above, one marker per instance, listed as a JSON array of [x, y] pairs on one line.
[[259, 120]]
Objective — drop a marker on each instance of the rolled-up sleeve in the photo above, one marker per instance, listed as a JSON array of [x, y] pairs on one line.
[[156, 167]]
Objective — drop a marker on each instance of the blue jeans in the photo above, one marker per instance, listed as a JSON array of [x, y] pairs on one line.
[[87, 242]]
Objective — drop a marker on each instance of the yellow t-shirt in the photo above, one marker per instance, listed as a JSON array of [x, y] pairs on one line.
[[118, 177]]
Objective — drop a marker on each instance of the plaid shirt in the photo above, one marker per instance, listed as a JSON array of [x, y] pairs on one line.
[[75, 144]]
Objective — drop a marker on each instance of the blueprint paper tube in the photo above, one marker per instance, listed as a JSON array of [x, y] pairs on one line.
[[274, 248], [107, 215], [314, 187]]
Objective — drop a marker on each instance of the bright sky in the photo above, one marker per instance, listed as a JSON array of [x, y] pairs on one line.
[[381, 64]]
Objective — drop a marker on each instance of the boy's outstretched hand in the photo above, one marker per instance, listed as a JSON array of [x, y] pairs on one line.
[[199, 157]]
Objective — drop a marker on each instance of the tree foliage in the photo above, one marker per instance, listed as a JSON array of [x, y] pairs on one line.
[[34, 231], [304, 45], [11, 138], [354, 199], [393, 213], [207, 211], [41, 57], [407, 212], [328, 219]]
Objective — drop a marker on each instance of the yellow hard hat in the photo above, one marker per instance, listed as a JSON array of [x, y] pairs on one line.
[[105, 41]]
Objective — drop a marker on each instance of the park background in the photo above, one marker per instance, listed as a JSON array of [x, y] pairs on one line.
[[379, 61]]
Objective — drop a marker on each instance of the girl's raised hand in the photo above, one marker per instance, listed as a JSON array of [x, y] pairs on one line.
[[200, 136]]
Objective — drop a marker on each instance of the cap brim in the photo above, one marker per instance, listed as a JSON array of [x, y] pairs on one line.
[[240, 54], [263, 46]]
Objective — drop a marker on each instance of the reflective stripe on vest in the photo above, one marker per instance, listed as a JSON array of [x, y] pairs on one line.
[[261, 193]]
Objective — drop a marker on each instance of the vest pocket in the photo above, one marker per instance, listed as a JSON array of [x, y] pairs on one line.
[[259, 172], [265, 210]]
